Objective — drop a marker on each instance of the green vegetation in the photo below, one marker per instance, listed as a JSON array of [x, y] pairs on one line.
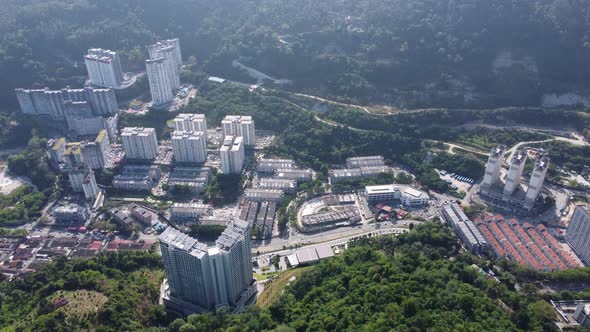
[[22, 205], [22, 233], [410, 54], [206, 233], [25, 203], [572, 157], [129, 280], [32, 163], [153, 119], [485, 138], [403, 283], [222, 188], [15, 129]]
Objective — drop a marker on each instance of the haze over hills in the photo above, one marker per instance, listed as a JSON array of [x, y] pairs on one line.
[[192, 161], [405, 53]]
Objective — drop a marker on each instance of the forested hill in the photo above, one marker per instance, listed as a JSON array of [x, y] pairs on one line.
[[410, 53], [417, 281]]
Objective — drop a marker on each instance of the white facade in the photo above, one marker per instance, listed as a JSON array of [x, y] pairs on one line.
[[286, 185], [96, 153], [407, 195], [232, 155], [161, 85], [89, 186], [264, 195], [266, 165], [53, 102], [240, 125], [139, 143], [578, 232], [189, 146], [82, 180], [104, 67], [536, 182], [368, 161], [203, 278], [493, 168], [190, 211], [514, 173], [191, 122], [169, 50]]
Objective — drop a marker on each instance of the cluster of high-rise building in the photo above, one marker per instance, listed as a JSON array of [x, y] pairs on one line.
[[191, 122], [200, 278], [510, 191], [104, 67], [78, 159], [94, 153], [163, 70], [87, 111], [239, 125]]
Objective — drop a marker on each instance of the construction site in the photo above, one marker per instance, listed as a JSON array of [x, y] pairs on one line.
[[510, 194]]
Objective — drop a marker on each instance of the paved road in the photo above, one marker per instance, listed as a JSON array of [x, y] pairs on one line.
[[338, 241], [343, 233]]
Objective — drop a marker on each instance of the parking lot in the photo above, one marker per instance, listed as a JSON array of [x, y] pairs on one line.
[[457, 181]]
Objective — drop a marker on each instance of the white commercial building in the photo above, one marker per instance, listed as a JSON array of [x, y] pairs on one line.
[[368, 161], [232, 155], [269, 165], [104, 67], [191, 122], [190, 211], [201, 278], [286, 185], [299, 175], [239, 125], [161, 85], [264, 195], [578, 232], [139, 143], [189, 146], [389, 192]]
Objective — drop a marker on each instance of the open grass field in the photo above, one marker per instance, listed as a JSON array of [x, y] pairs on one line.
[[82, 304], [274, 288]]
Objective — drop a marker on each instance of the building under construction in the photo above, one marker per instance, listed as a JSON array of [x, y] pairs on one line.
[[509, 195]]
